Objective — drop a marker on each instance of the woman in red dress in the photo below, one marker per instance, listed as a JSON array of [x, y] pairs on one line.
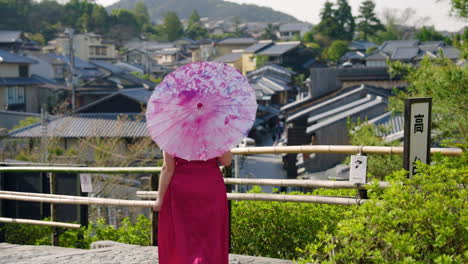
[[193, 212]]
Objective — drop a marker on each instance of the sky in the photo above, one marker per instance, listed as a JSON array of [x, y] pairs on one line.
[[309, 10]]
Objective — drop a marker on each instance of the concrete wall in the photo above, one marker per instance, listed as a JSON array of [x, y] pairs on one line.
[[9, 70], [249, 63], [42, 68]]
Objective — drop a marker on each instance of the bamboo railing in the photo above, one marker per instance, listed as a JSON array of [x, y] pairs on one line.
[[66, 199], [343, 149], [276, 198], [37, 222]]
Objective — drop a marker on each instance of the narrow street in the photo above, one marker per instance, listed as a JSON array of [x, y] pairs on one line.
[[261, 166]]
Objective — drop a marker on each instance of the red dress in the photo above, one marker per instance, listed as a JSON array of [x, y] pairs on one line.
[[193, 220]]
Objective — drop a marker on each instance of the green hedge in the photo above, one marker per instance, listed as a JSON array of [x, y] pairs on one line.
[[129, 233], [419, 220], [279, 229]]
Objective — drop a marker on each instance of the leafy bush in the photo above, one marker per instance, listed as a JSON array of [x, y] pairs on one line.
[[27, 234], [378, 165], [137, 234], [278, 229], [419, 220]]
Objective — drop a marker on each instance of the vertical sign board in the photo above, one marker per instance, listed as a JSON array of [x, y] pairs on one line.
[[417, 133]]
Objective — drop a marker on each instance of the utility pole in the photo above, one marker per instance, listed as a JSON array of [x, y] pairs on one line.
[[69, 32], [44, 135]]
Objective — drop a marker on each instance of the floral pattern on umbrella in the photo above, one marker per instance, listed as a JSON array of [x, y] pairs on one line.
[[201, 110]]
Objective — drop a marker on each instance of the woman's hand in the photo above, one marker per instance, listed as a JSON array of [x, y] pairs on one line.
[[157, 206]]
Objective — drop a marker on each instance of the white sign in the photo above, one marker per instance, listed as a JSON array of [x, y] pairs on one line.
[[358, 169], [417, 133], [86, 183]]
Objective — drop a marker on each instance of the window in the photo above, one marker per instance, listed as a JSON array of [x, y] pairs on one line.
[[16, 96], [23, 71], [97, 50], [58, 71]]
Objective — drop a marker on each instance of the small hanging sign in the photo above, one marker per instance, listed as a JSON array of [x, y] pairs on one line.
[[86, 183], [358, 169]]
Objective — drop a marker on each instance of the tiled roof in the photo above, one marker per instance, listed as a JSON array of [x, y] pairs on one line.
[[321, 104], [258, 46], [271, 67], [10, 36], [265, 86], [340, 109], [127, 125], [405, 53], [378, 55], [148, 45], [8, 57], [280, 48], [431, 46], [79, 63], [10, 81], [108, 66], [353, 55], [362, 45], [390, 46], [392, 126], [294, 27], [350, 112], [140, 95], [451, 52], [231, 57], [336, 97], [233, 41], [170, 51]]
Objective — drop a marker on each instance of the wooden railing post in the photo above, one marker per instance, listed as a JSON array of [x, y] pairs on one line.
[[53, 208], [154, 182], [227, 172], [83, 214], [2, 208]]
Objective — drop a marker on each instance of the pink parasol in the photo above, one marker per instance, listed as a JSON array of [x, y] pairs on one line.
[[201, 110]]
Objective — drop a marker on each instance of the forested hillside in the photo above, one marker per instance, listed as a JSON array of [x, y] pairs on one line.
[[208, 8]]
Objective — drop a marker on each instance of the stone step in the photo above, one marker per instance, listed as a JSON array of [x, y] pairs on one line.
[[101, 252]]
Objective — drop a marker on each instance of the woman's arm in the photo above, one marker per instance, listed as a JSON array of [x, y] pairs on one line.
[[164, 180], [226, 158]]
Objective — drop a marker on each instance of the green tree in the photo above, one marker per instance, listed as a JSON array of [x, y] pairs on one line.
[[195, 29], [460, 8], [368, 23], [84, 23], [328, 23], [445, 82], [99, 19], [430, 34], [337, 49], [238, 30], [270, 32], [308, 37], [173, 28], [378, 166], [124, 26], [38, 37], [344, 20], [140, 11]]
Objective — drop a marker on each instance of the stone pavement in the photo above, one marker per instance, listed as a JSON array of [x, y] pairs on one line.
[[101, 252]]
